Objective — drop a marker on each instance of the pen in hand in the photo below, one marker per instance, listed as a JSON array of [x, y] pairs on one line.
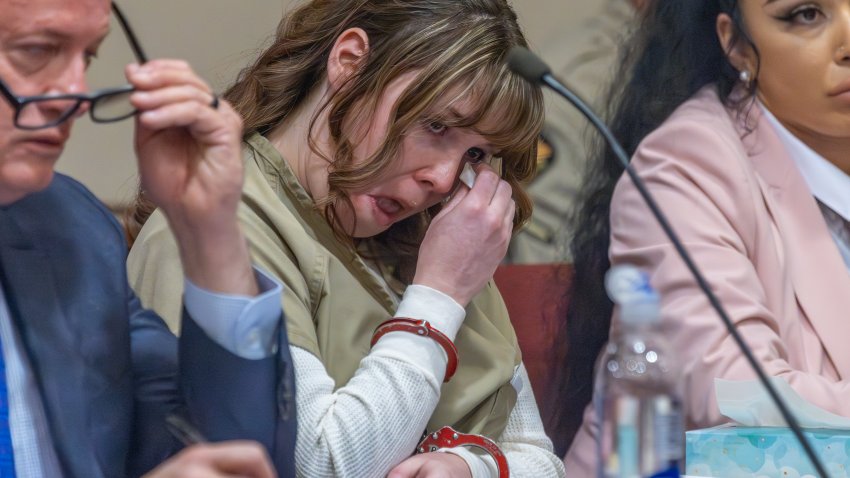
[[183, 430], [233, 458]]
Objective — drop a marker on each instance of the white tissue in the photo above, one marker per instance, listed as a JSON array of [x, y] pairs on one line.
[[749, 404], [467, 175]]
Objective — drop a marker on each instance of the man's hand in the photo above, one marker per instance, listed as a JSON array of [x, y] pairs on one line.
[[227, 459], [190, 165]]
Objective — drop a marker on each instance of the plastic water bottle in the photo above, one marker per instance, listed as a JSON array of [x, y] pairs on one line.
[[637, 394]]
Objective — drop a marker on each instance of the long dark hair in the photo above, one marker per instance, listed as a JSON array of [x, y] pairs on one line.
[[673, 54]]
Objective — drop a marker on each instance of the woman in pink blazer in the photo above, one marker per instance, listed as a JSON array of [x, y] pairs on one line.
[[738, 117]]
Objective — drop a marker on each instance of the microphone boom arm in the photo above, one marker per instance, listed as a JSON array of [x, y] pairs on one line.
[[533, 69]]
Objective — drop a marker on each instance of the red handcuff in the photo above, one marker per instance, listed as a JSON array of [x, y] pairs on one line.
[[423, 329], [448, 437]]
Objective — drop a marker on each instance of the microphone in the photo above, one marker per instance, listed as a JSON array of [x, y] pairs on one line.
[[529, 66]]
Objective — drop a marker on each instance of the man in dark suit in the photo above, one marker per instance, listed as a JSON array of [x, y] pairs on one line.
[[87, 376]]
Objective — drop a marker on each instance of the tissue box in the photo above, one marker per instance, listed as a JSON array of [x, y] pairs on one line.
[[730, 452]]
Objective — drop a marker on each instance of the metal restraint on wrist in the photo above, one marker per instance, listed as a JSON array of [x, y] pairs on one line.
[[448, 437], [423, 329]]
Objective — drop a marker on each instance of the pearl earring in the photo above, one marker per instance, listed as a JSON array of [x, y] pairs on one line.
[[746, 78]]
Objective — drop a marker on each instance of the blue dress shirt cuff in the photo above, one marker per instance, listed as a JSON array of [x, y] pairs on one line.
[[245, 326]]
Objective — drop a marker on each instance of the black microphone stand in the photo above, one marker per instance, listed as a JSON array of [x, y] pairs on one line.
[[526, 64]]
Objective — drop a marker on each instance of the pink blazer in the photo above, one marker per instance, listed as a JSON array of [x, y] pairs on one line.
[[746, 215]]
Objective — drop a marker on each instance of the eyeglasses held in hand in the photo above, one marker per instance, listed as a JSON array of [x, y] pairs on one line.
[[105, 106]]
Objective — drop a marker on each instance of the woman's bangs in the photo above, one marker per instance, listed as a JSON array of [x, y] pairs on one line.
[[514, 113], [505, 109]]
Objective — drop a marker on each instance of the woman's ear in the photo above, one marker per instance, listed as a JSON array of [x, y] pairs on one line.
[[740, 54], [349, 50]]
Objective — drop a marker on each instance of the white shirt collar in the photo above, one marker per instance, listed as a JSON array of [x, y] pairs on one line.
[[828, 183]]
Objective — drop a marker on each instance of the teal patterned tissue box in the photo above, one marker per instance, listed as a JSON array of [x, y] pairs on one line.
[[732, 452]]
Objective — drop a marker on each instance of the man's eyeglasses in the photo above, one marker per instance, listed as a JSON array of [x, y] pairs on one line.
[[106, 105]]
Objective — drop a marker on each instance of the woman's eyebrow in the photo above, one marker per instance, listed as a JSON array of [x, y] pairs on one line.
[[457, 115]]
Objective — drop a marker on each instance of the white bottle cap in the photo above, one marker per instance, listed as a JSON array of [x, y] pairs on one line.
[[629, 288]]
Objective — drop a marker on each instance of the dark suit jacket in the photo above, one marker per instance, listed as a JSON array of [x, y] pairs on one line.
[[107, 369]]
